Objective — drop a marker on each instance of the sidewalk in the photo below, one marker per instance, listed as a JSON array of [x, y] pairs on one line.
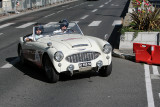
[[10, 16]]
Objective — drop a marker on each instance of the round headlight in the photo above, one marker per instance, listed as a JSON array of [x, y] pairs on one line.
[[107, 48], [58, 56]]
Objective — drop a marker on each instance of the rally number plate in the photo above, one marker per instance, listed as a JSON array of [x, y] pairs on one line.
[[85, 64]]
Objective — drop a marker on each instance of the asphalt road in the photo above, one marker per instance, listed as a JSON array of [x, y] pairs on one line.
[[130, 84]]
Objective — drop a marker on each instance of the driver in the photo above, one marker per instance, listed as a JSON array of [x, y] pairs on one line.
[[63, 27], [38, 34]]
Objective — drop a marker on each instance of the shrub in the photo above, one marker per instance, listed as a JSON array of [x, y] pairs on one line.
[[145, 19]]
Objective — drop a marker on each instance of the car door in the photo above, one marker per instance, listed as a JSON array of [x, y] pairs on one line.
[[34, 52]]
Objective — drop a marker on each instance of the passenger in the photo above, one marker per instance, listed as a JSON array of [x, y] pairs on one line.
[[38, 32]]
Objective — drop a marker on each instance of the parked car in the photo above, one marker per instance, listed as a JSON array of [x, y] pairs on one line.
[[62, 52]]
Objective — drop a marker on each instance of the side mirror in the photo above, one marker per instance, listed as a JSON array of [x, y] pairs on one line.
[[106, 37], [49, 44]]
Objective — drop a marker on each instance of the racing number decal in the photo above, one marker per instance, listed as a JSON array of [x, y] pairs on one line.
[[37, 57]]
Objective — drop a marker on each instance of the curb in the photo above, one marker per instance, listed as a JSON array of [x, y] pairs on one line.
[[118, 54], [35, 10]]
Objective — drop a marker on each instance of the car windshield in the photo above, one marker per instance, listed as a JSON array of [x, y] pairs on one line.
[[53, 29]]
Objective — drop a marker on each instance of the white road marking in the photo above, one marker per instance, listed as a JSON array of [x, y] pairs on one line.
[[94, 10], [76, 5], [69, 7], [117, 22], [60, 11], [83, 3], [1, 33], [5, 25], [114, 5], [108, 2], [75, 21], [84, 17], [159, 95], [150, 98], [9, 65], [26, 25], [50, 23], [101, 6], [155, 76], [155, 70], [90, 5], [49, 15], [95, 23]]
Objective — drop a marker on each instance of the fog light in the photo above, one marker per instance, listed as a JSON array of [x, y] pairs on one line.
[[70, 68], [99, 64], [59, 64]]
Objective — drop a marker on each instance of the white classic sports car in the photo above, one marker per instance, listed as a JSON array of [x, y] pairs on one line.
[[70, 51]]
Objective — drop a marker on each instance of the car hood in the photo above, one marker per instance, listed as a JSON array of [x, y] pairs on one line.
[[69, 41]]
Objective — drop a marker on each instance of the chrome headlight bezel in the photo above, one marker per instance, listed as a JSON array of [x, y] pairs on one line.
[[107, 48], [58, 56]]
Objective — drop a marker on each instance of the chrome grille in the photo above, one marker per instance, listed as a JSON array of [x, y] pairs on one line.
[[82, 57]]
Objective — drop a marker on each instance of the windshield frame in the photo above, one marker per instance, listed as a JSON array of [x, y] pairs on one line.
[[48, 29]]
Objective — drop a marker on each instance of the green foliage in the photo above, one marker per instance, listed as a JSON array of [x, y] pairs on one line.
[[136, 3], [139, 3], [146, 21]]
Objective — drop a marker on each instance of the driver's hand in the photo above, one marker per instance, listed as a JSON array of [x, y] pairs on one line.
[[28, 40]]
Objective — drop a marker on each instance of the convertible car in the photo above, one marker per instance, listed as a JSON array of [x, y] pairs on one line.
[[70, 52]]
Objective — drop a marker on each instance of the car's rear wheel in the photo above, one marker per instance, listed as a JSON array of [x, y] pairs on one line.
[[20, 55], [106, 70], [50, 71]]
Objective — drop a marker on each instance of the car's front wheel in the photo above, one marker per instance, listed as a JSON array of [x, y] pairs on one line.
[[106, 70], [50, 71]]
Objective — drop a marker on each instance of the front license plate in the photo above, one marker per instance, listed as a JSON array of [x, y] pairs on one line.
[[85, 64]]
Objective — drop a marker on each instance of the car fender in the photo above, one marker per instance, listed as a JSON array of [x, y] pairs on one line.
[[50, 51]]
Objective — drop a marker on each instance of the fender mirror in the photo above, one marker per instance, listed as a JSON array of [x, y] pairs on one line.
[[106, 37]]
